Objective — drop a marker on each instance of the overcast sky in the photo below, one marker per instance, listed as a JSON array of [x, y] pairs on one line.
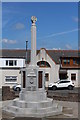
[[57, 24]]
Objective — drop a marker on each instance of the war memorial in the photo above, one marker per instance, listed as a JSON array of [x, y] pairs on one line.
[[33, 100]]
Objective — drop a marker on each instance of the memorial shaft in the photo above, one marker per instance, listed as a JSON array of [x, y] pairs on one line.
[[33, 42]]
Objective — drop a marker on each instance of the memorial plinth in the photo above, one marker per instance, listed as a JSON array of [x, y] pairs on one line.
[[33, 101]]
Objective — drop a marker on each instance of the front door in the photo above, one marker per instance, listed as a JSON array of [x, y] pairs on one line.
[[40, 79]]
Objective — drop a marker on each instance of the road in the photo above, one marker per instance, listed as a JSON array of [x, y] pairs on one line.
[[75, 90], [64, 91]]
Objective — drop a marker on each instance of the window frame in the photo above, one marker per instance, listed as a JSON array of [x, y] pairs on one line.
[[7, 63], [73, 76], [11, 63], [74, 61], [66, 61], [10, 79], [43, 64], [47, 76]]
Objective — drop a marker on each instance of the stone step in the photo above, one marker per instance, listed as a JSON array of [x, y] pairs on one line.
[[15, 110], [41, 104], [31, 112], [41, 115]]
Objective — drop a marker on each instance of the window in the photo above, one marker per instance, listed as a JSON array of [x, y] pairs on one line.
[[15, 62], [6, 62], [73, 76], [10, 78], [61, 82], [74, 61], [68, 61], [78, 61], [65, 61], [64, 82], [43, 64], [47, 76], [11, 62]]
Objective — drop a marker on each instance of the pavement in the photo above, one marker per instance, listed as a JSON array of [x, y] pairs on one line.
[[70, 111]]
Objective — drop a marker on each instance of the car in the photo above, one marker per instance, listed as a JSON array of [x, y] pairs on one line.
[[61, 84], [17, 87]]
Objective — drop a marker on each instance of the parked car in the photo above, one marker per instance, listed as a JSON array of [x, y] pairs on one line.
[[17, 87], [61, 84]]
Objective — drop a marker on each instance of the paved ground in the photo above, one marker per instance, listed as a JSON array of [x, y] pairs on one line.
[[70, 111]]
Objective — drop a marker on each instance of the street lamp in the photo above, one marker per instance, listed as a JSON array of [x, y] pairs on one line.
[[26, 51]]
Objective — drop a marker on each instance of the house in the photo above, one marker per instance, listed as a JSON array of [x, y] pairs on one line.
[[58, 64]]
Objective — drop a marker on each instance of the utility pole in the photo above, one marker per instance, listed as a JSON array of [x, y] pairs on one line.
[[26, 51]]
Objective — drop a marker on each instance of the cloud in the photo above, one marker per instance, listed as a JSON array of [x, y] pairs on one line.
[[61, 33], [68, 46], [56, 48], [6, 41], [19, 26]]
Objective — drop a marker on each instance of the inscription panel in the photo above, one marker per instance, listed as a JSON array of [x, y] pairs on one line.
[[31, 80]]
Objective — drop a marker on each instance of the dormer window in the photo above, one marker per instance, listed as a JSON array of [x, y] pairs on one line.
[[64, 61], [74, 61], [68, 61]]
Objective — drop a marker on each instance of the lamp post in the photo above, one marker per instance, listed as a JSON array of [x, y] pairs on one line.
[[26, 51]]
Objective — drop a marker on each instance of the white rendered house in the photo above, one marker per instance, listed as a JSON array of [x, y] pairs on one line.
[[10, 66], [58, 64]]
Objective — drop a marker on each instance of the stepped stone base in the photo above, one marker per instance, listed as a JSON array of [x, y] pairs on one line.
[[33, 104]]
